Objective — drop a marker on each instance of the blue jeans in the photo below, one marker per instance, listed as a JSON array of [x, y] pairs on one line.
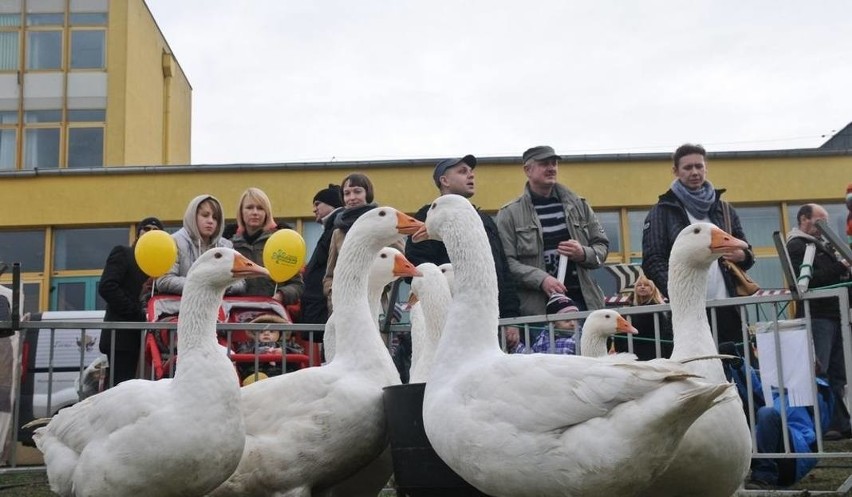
[[828, 348], [770, 439]]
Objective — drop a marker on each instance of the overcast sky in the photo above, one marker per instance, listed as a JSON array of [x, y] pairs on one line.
[[316, 80]]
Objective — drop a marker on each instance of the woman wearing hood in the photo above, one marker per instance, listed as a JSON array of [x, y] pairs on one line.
[[203, 223], [255, 225]]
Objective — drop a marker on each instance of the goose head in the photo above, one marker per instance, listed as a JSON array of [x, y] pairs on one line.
[[389, 265], [440, 212], [699, 244], [383, 225], [429, 273], [599, 326], [449, 274], [220, 267]]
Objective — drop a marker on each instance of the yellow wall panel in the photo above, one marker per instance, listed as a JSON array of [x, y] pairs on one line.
[[120, 196]]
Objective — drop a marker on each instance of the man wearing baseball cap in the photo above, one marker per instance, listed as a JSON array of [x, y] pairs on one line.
[[457, 176], [546, 223]]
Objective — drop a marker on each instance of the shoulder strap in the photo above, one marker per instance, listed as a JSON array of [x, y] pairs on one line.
[[726, 212]]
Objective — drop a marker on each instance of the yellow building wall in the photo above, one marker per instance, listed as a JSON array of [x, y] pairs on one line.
[[115, 197], [148, 113]]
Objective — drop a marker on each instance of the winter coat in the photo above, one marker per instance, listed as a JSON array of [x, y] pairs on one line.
[[189, 248], [665, 221], [314, 305], [120, 286], [826, 270], [436, 252], [265, 286], [521, 236]]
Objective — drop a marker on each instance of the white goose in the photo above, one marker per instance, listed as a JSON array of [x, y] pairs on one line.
[[447, 269], [389, 265], [599, 326], [586, 420], [309, 430], [428, 316], [719, 442], [153, 438]]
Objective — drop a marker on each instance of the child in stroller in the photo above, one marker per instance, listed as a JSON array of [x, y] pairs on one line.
[[266, 342]]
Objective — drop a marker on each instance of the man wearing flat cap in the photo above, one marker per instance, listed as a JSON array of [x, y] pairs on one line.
[[547, 222], [457, 176]]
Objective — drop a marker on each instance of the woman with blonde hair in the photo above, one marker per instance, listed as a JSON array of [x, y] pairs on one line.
[[255, 225], [645, 292]]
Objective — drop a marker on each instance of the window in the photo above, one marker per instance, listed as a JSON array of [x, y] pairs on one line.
[[41, 148], [85, 147], [758, 224], [26, 247], [8, 143], [76, 294], [636, 225], [86, 115], [610, 223], [8, 50], [88, 18], [311, 232], [88, 49], [85, 248], [44, 50], [56, 19]]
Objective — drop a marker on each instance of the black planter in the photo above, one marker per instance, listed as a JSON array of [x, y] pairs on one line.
[[417, 469]]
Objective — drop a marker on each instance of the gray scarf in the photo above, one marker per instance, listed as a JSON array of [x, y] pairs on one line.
[[697, 202]]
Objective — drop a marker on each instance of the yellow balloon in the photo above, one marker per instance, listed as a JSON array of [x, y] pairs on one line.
[[284, 255], [155, 253]]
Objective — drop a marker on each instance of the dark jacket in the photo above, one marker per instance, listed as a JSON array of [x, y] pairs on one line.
[[120, 286], [826, 270], [435, 252], [665, 221], [314, 305], [253, 250]]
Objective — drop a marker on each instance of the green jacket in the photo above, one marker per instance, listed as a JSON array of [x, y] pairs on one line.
[[520, 232]]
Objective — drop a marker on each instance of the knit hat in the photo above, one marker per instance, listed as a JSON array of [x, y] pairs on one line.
[[330, 196], [149, 221], [561, 304]]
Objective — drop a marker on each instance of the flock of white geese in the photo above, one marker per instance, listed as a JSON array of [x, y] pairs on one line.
[[511, 425]]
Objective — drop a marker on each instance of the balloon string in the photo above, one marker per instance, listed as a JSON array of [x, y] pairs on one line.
[[276, 289]]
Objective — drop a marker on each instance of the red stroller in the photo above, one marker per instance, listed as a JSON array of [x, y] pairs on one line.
[[161, 345]]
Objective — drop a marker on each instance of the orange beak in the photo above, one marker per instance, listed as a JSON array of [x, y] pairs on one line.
[[244, 268], [722, 242], [407, 225], [624, 326], [403, 267]]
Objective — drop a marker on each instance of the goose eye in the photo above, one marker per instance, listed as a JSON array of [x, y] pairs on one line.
[[383, 256], [434, 205], [696, 230], [218, 255], [382, 213]]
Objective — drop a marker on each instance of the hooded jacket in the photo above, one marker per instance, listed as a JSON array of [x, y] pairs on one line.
[[190, 247]]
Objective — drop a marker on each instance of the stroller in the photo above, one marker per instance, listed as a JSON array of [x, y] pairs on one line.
[[161, 345]]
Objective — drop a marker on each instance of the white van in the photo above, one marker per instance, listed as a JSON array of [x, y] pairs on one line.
[[49, 382]]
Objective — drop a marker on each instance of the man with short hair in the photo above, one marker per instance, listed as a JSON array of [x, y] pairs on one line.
[[692, 199], [547, 222], [826, 269], [328, 203], [456, 176]]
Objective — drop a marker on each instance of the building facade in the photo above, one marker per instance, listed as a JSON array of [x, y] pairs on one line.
[[88, 83]]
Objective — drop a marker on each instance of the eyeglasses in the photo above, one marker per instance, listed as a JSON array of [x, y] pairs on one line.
[[149, 228]]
